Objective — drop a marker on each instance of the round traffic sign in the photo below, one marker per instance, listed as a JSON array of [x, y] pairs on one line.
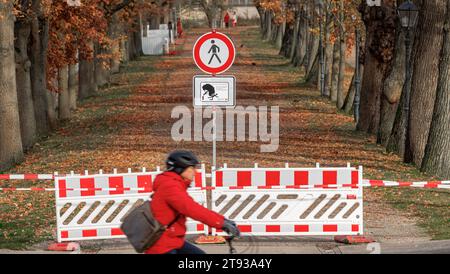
[[214, 53]]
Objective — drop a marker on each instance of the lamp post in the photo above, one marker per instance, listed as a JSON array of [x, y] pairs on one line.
[[357, 74], [408, 14], [321, 49]]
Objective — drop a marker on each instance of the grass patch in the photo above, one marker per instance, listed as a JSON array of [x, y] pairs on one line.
[[431, 206], [28, 224]]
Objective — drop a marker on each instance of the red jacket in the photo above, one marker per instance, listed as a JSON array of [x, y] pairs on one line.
[[170, 198]]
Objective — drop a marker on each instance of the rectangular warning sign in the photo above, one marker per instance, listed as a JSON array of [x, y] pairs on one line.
[[214, 91]]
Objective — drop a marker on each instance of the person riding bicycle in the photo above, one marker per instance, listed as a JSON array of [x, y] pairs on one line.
[[171, 201]]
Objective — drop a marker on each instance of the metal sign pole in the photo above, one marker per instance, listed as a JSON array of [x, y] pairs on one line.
[[214, 138]]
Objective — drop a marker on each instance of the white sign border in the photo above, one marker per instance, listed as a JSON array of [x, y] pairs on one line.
[[214, 77]]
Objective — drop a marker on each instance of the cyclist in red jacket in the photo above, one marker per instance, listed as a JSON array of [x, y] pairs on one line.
[[171, 201]]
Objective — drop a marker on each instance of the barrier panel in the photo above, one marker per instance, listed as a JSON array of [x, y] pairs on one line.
[[263, 201], [156, 42], [92, 207], [290, 201]]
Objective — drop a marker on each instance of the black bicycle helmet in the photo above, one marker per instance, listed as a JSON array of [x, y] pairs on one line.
[[179, 160]]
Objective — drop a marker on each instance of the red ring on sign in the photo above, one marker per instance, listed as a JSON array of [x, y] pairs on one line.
[[228, 43]]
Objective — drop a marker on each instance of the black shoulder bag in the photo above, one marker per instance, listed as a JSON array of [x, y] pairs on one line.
[[142, 229]]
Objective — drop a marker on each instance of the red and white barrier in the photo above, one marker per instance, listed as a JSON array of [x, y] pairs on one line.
[[269, 177], [93, 206], [290, 201], [263, 201], [430, 184], [27, 176]]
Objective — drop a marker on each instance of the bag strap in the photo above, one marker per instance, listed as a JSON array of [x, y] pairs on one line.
[[174, 221]]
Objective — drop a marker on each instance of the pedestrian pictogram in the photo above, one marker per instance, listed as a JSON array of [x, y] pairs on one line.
[[214, 53]]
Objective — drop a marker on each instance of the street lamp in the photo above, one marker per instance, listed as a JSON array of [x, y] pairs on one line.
[[408, 14], [357, 73], [321, 49]]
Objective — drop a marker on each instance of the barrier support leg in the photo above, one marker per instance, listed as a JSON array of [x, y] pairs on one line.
[[353, 239], [70, 246], [210, 239]]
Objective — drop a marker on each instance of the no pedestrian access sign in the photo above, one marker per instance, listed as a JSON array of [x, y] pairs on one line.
[[214, 53]]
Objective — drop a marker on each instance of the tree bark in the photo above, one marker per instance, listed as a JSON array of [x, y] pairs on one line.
[[287, 41], [380, 24], [23, 84], [314, 51], [101, 71], [295, 39], [426, 54], [341, 76], [10, 138], [392, 91], [38, 58], [437, 152], [350, 98], [335, 73], [73, 86], [302, 40], [342, 50], [64, 95], [87, 86], [328, 53], [312, 78], [280, 32], [268, 32]]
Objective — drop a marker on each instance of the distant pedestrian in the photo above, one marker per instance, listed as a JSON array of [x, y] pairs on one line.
[[179, 28], [226, 19], [234, 19]]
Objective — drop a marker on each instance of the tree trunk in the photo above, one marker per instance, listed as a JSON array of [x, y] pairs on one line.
[[52, 108], [261, 17], [396, 141], [314, 50], [392, 91], [294, 42], [280, 32], [10, 140], [268, 32], [275, 29], [138, 38], [124, 52], [38, 58], [73, 86], [113, 31], [350, 98], [287, 41], [101, 71], [313, 75], [64, 95], [302, 40], [87, 86], [437, 151], [328, 54], [341, 76], [426, 54], [23, 84], [380, 24], [335, 73]]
